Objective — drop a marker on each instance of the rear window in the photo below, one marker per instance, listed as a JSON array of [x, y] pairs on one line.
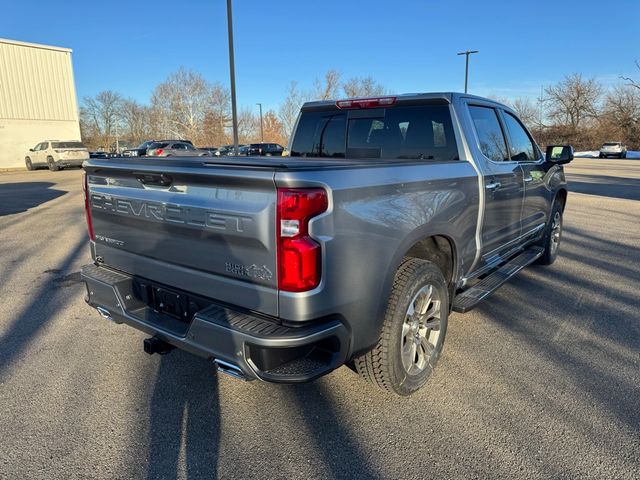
[[419, 132], [612, 144], [67, 145], [158, 145]]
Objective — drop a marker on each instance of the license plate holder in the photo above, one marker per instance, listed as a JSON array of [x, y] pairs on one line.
[[170, 303]]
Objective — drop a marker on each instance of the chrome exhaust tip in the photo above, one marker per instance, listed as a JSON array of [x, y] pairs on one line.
[[229, 369], [106, 314]]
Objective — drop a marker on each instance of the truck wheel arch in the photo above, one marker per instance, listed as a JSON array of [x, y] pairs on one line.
[[439, 249], [420, 246]]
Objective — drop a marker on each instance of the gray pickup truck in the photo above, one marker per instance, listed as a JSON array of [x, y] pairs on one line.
[[390, 213]]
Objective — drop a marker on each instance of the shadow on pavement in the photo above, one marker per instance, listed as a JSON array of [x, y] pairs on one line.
[[185, 419], [47, 300], [340, 451], [604, 185], [20, 197], [586, 326]]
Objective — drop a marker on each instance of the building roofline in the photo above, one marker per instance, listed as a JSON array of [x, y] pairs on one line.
[[35, 45]]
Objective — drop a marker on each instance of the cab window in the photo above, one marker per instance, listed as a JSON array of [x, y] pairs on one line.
[[490, 136], [520, 144]]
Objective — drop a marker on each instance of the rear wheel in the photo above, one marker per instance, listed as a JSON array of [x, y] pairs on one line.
[[552, 236], [27, 162], [413, 331], [52, 164]]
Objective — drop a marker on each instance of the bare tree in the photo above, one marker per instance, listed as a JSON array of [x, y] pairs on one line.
[[137, 121], [621, 114], [290, 107], [217, 121], [573, 101], [630, 81], [248, 126], [362, 87], [328, 87], [183, 101], [99, 115], [527, 111], [273, 129]]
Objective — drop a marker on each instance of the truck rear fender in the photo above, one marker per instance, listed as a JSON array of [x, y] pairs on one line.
[[427, 243]]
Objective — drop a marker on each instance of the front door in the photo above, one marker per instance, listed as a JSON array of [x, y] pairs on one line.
[[503, 185], [536, 197], [39, 153]]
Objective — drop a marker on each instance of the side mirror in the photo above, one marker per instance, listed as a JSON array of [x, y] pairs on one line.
[[559, 154], [31, 150]]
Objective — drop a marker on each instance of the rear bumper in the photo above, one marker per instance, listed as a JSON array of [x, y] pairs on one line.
[[76, 162], [259, 347]]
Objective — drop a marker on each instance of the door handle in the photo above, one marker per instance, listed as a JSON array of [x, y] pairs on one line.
[[527, 179], [162, 180], [493, 185]]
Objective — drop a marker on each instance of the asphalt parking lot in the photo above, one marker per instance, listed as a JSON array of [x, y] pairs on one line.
[[541, 381]]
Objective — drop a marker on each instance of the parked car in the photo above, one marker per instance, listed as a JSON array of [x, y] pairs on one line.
[[227, 150], [613, 149], [175, 149], [242, 150], [353, 250], [266, 149], [141, 150], [56, 155], [212, 150]]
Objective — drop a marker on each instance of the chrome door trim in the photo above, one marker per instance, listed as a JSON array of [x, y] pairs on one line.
[[468, 156]]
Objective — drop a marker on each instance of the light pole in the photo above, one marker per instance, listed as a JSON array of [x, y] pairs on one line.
[[232, 71], [466, 66], [117, 139], [261, 130]]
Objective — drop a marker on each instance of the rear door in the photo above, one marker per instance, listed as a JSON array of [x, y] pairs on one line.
[[503, 182], [202, 228]]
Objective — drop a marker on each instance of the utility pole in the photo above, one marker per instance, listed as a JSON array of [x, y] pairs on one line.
[[117, 139], [541, 103], [232, 71], [261, 130], [466, 67]]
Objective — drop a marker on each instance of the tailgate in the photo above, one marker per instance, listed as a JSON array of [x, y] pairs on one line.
[[209, 230]]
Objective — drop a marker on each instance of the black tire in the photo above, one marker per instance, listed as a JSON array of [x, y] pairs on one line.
[[601, 155], [623, 155], [551, 236], [383, 366], [29, 165], [52, 165]]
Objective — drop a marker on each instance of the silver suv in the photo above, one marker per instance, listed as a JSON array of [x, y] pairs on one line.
[[613, 149], [175, 149], [56, 155]]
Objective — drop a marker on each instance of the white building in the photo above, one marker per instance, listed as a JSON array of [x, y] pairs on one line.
[[37, 99]]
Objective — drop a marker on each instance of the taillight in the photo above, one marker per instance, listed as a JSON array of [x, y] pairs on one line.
[[366, 102], [299, 258], [87, 207], [158, 152]]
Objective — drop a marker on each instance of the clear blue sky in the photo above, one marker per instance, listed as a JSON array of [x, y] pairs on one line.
[[407, 46]]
